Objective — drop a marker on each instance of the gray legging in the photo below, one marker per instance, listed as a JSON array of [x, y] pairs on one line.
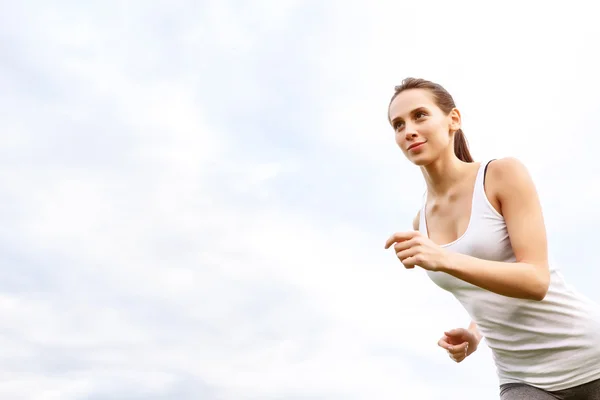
[[519, 391]]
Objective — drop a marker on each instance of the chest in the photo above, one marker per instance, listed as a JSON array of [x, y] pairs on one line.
[[448, 217]]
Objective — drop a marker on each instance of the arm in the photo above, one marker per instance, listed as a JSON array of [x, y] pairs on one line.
[[528, 277]]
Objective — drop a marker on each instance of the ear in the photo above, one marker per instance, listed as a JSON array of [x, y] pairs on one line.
[[455, 120]]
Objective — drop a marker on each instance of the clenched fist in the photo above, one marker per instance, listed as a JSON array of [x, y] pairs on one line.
[[460, 343], [415, 249]]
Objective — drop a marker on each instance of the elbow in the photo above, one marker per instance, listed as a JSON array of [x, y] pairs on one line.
[[539, 294], [540, 289]]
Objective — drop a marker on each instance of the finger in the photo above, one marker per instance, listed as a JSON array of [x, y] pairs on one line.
[[411, 262], [404, 254], [455, 333], [457, 358], [406, 244], [400, 237], [443, 343], [459, 349]]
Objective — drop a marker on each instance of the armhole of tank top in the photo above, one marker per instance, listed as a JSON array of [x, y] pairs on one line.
[[487, 200], [485, 172]]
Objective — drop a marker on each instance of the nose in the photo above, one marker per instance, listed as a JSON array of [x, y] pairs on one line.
[[410, 132]]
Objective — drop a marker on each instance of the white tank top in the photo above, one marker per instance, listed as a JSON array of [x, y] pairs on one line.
[[552, 344]]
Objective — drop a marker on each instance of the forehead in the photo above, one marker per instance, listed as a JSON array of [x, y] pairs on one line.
[[409, 100]]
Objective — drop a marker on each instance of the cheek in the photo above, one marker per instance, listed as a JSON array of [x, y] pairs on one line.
[[438, 133], [401, 142], [399, 139]]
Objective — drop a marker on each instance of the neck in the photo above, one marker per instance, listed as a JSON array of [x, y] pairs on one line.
[[444, 173]]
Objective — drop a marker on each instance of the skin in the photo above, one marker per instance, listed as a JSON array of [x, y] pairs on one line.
[[416, 118]]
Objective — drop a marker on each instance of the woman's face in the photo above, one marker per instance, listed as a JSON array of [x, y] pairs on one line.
[[423, 130]]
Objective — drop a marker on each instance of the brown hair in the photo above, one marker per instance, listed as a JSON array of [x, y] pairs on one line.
[[445, 102]]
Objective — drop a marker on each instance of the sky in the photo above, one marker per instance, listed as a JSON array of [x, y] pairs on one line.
[[196, 194]]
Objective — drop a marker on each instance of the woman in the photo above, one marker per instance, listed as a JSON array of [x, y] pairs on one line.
[[480, 235]]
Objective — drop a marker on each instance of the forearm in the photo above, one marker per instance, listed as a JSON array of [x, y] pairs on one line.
[[519, 280]]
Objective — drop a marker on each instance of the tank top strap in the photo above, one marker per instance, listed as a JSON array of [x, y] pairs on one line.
[[479, 196]]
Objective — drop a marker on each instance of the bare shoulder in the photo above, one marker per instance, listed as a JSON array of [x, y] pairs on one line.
[[509, 178], [507, 169], [416, 221]]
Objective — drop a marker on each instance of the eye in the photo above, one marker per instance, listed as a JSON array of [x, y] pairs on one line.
[[420, 114], [398, 125]]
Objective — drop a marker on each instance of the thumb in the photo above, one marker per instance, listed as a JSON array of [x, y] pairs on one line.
[[455, 332], [443, 343]]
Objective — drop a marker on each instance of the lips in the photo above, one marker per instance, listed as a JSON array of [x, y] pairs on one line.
[[415, 145]]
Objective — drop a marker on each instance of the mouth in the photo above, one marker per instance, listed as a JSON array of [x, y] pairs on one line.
[[415, 146]]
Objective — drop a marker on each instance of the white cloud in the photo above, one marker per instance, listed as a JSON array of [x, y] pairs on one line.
[[197, 196]]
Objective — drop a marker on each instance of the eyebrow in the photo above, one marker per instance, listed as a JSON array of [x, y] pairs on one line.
[[420, 108]]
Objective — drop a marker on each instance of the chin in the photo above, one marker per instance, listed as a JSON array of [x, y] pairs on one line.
[[420, 160]]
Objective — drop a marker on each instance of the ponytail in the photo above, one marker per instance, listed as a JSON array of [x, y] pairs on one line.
[[461, 147]]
